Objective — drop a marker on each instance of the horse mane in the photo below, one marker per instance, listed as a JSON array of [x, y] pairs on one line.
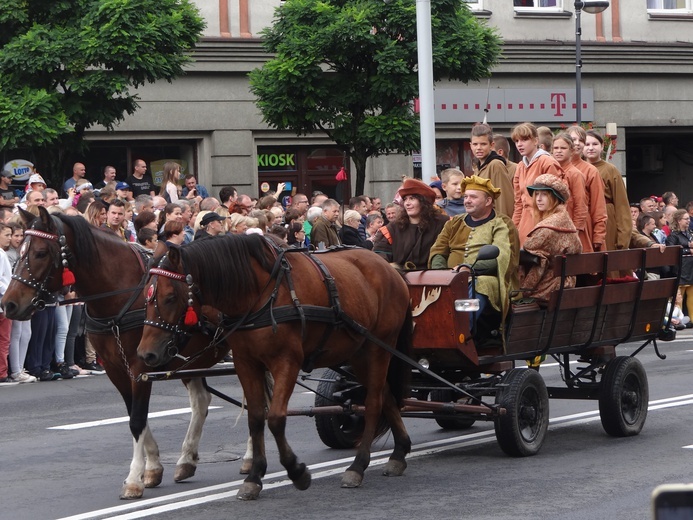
[[222, 266], [85, 251]]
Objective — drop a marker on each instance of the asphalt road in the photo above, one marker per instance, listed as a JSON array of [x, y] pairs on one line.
[[66, 448]]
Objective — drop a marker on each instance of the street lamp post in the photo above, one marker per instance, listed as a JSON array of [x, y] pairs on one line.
[[592, 7], [426, 100]]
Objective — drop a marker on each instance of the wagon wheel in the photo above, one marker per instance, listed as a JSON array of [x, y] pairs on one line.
[[454, 422], [521, 431], [336, 431], [623, 397]]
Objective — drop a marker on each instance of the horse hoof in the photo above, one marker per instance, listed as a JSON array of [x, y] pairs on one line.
[[153, 477], [351, 479], [245, 466], [394, 468], [303, 482], [249, 491], [184, 471], [131, 491]]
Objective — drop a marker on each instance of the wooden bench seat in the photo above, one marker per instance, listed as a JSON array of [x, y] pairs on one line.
[[605, 314]]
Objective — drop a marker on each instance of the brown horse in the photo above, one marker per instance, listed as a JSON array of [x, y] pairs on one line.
[[284, 310], [103, 264]]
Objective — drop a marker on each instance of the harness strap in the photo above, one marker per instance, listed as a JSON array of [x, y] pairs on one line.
[[128, 321], [294, 298], [333, 295]]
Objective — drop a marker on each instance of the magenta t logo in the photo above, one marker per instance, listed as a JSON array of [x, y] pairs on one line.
[[558, 98]]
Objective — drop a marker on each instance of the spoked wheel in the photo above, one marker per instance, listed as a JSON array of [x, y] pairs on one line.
[[521, 431], [336, 431], [623, 397], [454, 422]]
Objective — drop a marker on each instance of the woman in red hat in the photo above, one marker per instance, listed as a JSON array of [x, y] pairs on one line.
[[408, 239]]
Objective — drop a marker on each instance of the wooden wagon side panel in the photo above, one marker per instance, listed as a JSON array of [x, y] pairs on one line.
[[437, 326]]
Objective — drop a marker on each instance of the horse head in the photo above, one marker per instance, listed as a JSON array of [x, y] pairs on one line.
[[38, 275], [170, 310]]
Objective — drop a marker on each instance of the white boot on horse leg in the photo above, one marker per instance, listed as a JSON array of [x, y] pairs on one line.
[[133, 486], [153, 470], [199, 406], [247, 461]]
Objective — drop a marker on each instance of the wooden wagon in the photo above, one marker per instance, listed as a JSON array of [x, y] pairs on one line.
[[464, 373], [464, 370]]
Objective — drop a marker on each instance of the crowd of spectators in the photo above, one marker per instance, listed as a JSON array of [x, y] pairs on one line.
[[588, 191]]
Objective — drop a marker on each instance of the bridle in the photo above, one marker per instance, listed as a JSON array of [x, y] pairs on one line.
[[43, 295], [189, 323], [180, 335]]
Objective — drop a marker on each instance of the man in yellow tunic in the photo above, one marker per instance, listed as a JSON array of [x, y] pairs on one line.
[[465, 234]]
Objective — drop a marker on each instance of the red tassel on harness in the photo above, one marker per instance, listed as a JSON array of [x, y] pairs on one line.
[[190, 317], [68, 277]]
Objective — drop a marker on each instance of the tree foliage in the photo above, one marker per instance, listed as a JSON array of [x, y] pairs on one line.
[[67, 65], [349, 68]]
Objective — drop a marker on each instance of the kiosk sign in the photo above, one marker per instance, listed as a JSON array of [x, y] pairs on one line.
[[275, 159]]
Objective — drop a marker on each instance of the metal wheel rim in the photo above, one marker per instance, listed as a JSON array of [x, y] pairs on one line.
[[530, 415], [349, 425], [630, 399]]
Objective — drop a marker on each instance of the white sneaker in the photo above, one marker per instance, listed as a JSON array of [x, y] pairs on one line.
[[23, 377], [80, 370]]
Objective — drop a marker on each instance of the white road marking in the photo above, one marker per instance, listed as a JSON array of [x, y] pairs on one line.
[[116, 420], [177, 501]]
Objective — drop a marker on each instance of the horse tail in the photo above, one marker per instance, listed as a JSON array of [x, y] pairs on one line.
[[269, 388], [269, 391], [399, 372]]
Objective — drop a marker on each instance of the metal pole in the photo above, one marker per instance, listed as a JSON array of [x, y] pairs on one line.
[[578, 64], [426, 101]]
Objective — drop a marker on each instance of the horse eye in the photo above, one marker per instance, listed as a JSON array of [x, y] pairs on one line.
[[171, 299], [40, 254]]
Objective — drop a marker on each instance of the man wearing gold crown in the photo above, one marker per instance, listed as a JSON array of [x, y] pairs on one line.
[[465, 234]]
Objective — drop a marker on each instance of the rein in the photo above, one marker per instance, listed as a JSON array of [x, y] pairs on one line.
[[219, 332], [333, 315]]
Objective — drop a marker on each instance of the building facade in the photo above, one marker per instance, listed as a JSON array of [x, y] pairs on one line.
[[637, 70]]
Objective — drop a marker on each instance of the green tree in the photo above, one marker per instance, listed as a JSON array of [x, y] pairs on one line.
[[348, 68], [67, 65]]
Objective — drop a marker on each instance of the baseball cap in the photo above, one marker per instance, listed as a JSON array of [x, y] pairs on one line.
[[122, 186], [211, 217], [7, 173]]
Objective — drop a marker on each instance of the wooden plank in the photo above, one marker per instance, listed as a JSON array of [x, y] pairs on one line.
[[589, 263], [578, 264], [663, 288], [670, 256]]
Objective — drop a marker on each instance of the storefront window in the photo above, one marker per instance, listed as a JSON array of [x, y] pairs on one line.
[[121, 155], [302, 169]]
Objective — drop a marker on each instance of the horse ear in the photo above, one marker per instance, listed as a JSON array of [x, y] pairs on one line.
[[46, 219], [27, 218], [174, 255]]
